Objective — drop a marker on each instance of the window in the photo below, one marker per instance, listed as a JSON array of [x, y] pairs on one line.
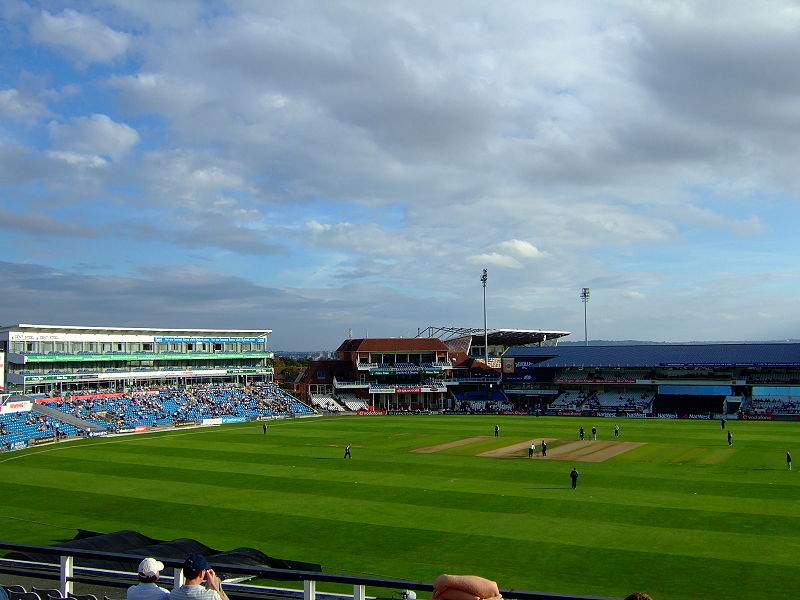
[[217, 347], [190, 347], [30, 347], [321, 375]]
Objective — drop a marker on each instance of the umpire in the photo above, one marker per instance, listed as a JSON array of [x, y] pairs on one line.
[[573, 475]]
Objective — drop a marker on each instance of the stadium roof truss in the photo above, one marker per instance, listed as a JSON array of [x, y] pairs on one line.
[[466, 336]]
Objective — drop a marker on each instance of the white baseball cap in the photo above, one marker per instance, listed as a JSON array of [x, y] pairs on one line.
[[150, 567]]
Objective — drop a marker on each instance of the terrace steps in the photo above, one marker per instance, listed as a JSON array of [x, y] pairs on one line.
[[43, 409]]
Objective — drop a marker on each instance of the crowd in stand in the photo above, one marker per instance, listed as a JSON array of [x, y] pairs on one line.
[[152, 408], [782, 405], [626, 401]]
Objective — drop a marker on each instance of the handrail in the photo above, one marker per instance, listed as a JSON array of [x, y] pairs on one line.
[[308, 577]]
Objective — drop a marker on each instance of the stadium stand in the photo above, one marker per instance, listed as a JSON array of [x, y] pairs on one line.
[[633, 401], [24, 426], [570, 401], [326, 402], [145, 409], [784, 405], [352, 402]]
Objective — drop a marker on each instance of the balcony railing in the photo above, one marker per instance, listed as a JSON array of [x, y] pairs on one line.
[[67, 574], [349, 384], [131, 356]]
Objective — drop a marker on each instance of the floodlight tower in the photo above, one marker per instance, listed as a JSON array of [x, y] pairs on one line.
[[585, 299], [484, 279]]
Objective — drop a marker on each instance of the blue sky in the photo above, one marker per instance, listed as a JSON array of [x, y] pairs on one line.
[[318, 167]]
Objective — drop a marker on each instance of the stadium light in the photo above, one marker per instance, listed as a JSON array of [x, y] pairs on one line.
[[484, 279], [585, 299]]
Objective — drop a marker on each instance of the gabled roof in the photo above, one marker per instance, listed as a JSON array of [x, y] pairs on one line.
[[662, 355], [393, 345]]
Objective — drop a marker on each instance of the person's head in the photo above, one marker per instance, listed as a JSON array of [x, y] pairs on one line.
[[638, 596], [194, 567], [149, 570]]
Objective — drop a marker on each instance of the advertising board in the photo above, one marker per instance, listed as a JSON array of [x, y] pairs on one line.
[[208, 422], [15, 407], [758, 417], [212, 340], [376, 389], [524, 370], [44, 440], [85, 397], [408, 390], [231, 419]]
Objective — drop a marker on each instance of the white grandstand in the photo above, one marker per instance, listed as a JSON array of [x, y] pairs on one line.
[[55, 359]]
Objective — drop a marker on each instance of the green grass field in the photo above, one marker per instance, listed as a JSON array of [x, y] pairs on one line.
[[682, 516]]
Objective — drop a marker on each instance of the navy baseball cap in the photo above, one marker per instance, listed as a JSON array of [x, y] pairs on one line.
[[195, 563]]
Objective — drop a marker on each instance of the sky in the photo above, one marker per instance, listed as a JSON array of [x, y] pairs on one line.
[[316, 167]]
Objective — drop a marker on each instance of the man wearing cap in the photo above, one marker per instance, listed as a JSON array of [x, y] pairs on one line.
[[147, 588], [196, 572]]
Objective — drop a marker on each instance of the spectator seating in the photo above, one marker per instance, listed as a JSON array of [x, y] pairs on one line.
[[569, 401], [326, 402], [630, 401], [352, 402], [779, 405], [24, 426], [164, 408], [17, 592]]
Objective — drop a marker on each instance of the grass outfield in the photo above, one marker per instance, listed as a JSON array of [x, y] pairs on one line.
[[682, 516]]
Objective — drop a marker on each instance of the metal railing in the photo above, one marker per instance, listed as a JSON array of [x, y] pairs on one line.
[[66, 573]]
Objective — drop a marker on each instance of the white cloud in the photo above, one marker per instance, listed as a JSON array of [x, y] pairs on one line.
[[86, 38], [521, 248], [403, 145], [749, 226], [633, 295], [95, 135], [495, 259], [77, 159], [18, 106]]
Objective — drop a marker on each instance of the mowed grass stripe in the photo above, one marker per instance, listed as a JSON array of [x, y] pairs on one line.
[[513, 500], [673, 483], [240, 494], [268, 528], [634, 522]]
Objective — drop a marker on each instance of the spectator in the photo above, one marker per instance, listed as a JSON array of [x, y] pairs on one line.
[[197, 571], [147, 588]]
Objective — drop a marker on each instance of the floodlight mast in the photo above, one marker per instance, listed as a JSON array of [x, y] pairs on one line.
[[585, 292], [484, 279]]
